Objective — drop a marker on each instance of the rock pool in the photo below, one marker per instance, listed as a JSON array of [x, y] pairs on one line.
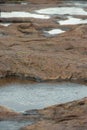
[[26, 96], [62, 11], [16, 14]]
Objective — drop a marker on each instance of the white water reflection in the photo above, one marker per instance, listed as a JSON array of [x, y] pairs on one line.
[[23, 97], [62, 11], [54, 31], [24, 3], [22, 15], [5, 24], [72, 21]]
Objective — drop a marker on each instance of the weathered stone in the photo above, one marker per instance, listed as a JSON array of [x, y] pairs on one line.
[[69, 116], [25, 52], [7, 113]]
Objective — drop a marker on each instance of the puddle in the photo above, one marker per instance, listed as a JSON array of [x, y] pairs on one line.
[[22, 97], [24, 3], [13, 125], [72, 21], [22, 15], [63, 11], [54, 32], [5, 24]]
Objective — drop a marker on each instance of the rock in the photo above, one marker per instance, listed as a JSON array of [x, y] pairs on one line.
[[26, 53], [5, 109], [7, 113], [68, 116]]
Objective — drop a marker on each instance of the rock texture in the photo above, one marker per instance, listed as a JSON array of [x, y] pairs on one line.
[[72, 115], [69, 116], [7, 113], [25, 52]]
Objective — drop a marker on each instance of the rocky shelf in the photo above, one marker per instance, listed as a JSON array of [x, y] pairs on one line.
[[30, 50]]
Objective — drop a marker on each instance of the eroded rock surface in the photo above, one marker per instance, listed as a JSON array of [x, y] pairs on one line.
[[7, 114], [72, 115], [67, 116], [26, 52]]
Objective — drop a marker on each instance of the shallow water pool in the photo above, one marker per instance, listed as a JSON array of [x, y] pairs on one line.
[[17, 14], [21, 97], [72, 21], [63, 11]]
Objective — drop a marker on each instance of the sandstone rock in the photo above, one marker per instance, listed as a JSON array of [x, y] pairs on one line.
[[67, 116], [26, 53], [7, 113], [5, 109]]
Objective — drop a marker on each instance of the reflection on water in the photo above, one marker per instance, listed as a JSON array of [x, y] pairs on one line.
[[62, 11], [54, 32], [5, 24], [13, 125], [72, 21], [17, 14], [25, 96]]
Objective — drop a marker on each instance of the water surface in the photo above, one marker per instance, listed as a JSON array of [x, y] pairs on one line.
[[72, 21], [63, 11], [53, 32], [21, 97], [13, 125], [18, 14]]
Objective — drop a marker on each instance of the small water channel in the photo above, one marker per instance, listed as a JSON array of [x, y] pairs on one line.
[[27, 96]]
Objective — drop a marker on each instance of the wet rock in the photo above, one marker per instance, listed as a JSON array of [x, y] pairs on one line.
[[31, 112]]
